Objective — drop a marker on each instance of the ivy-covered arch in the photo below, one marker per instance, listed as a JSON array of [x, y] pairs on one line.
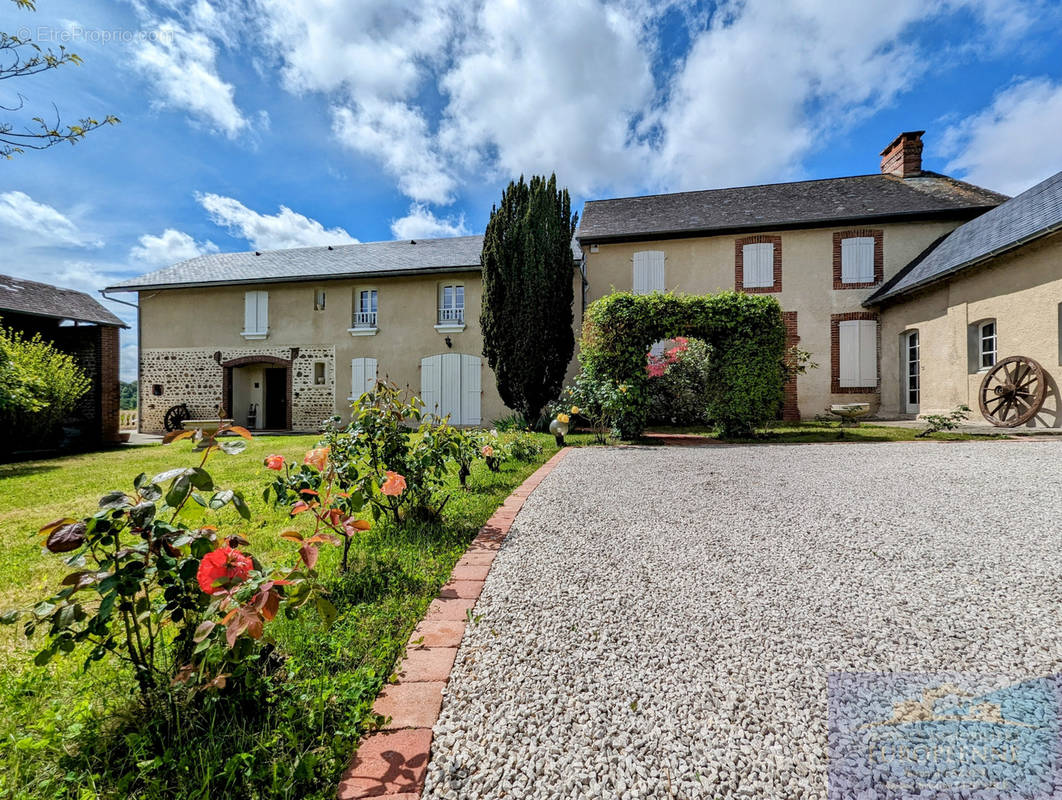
[[746, 334]]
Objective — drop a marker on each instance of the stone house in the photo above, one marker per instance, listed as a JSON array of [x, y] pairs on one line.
[[905, 285]]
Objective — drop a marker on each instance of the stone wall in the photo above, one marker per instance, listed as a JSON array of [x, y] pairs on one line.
[[195, 377]]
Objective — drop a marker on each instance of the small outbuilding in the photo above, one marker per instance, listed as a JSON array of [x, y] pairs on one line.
[[78, 324]]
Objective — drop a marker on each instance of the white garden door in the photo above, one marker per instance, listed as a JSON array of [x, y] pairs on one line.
[[450, 386]]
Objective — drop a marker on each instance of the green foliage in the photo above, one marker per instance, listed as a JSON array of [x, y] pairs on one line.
[[678, 394], [150, 587], [936, 423], [39, 386], [596, 400], [129, 395], [23, 58], [744, 332], [528, 272]]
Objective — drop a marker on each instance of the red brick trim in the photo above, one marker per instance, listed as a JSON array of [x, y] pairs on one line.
[[109, 393], [835, 353], [879, 256], [392, 762], [226, 380], [790, 408], [739, 264]]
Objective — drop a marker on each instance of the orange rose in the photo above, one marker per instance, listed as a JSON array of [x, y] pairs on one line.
[[318, 457], [487, 451], [394, 485], [274, 462]]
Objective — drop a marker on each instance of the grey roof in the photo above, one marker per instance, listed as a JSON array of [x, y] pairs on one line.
[[778, 205], [320, 263], [45, 300], [1033, 214]]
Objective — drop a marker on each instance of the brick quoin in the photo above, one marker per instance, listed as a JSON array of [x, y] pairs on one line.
[[835, 353], [879, 256], [790, 409], [739, 264]]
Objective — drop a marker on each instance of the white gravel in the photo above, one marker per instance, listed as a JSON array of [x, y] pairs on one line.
[[661, 621]]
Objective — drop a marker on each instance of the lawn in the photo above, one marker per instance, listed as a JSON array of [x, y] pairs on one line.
[[816, 432], [65, 733]]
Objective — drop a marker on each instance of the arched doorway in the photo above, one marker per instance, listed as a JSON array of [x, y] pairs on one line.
[[257, 392]]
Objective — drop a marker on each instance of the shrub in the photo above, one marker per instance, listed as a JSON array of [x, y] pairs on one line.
[[596, 401], [935, 423], [678, 384], [744, 332], [39, 386], [521, 446], [152, 586]]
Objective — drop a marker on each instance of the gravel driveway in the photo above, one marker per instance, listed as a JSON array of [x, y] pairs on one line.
[[661, 621]]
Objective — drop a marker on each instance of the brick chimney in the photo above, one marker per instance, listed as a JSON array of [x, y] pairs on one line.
[[903, 156]]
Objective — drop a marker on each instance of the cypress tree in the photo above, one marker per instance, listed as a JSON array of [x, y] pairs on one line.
[[528, 271]]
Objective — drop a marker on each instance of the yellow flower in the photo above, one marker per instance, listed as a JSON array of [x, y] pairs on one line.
[[623, 388], [575, 409], [563, 418]]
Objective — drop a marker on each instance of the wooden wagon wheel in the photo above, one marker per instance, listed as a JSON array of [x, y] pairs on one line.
[[175, 417], [1013, 391]]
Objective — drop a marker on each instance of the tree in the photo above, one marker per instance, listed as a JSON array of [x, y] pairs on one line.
[[527, 293], [22, 58]]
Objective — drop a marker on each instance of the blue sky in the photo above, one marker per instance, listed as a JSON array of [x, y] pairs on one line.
[[278, 123]]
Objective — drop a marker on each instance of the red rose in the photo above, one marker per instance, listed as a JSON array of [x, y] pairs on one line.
[[226, 565], [274, 462]]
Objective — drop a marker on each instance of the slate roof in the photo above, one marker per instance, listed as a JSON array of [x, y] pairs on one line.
[[1033, 214], [316, 263], [782, 205], [45, 300]]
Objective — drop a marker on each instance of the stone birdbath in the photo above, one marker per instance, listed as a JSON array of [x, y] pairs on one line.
[[209, 427], [850, 413]]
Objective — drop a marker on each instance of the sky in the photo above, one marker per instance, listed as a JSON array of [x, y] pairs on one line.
[[263, 124]]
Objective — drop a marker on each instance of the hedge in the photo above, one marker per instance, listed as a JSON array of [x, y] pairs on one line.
[[745, 333]]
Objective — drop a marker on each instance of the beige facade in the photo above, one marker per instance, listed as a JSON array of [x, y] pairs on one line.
[[189, 335], [699, 265], [1020, 292]]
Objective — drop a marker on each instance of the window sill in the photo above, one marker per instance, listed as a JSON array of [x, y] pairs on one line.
[[254, 336], [450, 327], [363, 331]]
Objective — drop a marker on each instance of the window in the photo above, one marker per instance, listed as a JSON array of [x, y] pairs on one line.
[[857, 259], [320, 373], [857, 343], [362, 376], [648, 271], [255, 315], [758, 265], [986, 344], [452, 304], [318, 299], [911, 372], [365, 308]]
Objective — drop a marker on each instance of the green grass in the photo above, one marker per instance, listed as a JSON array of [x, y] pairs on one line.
[[812, 432], [66, 734]]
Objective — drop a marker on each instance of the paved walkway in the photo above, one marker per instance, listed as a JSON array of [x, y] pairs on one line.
[[662, 622]]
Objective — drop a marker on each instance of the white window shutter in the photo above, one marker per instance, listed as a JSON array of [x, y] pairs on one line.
[[370, 374], [357, 377], [868, 352], [648, 271], [848, 344], [429, 384], [757, 262], [656, 271], [250, 312], [857, 259], [641, 273], [263, 312], [470, 390], [450, 388]]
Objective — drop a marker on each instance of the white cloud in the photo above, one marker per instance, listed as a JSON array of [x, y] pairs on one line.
[[169, 247], [270, 231], [48, 226], [182, 64], [421, 223], [398, 136], [1014, 143]]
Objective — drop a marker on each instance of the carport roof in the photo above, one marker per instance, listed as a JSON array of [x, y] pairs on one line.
[[44, 300]]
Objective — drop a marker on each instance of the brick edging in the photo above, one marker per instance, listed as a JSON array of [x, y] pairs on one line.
[[391, 763]]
